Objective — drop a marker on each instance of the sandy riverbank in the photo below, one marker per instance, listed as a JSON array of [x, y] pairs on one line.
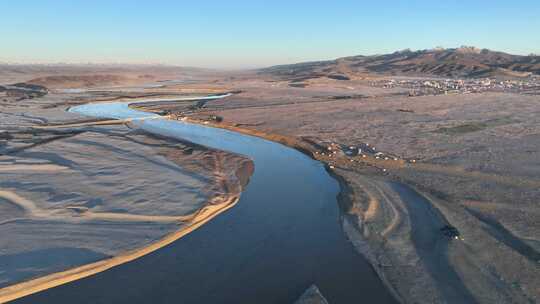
[[475, 168], [403, 242], [29, 287], [231, 188], [480, 180], [119, 193]]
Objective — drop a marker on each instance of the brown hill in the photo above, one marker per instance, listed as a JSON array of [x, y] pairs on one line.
[[463, 62]]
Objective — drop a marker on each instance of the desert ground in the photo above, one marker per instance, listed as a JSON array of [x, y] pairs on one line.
[[411, 167]]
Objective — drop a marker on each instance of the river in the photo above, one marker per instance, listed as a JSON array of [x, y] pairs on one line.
[[283, 235]]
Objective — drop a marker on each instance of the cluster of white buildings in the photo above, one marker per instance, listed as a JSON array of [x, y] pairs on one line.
[[420, 87]]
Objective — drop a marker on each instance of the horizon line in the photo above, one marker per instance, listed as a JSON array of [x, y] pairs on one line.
[[247, 67]]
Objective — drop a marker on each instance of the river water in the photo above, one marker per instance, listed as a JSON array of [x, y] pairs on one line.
[[283, 235]]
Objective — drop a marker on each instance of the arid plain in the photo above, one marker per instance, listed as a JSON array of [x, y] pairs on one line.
[[439, 186]]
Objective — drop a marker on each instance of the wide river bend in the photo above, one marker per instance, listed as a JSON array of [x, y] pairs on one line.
[[283, 235]]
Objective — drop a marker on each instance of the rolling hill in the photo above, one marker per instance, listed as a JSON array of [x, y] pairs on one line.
[[463, 62]]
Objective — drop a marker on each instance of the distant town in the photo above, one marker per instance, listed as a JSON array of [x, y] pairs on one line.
[[423, 86]]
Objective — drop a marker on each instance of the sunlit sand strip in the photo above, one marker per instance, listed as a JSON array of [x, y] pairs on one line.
[[396, 219], [20, 290], [32, 167], [373, 207], [376, 199]]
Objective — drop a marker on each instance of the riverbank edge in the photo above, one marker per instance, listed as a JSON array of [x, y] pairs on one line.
[[26, 288], [342, 197], [360, 243]]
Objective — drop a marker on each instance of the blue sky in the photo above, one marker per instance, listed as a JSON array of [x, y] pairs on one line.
[[253, 33]]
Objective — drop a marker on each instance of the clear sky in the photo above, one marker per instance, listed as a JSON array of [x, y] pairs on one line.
[[231, 33]]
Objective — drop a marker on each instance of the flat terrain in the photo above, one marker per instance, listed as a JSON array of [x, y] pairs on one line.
[[473, 156], [73, 196], [464, 160]]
